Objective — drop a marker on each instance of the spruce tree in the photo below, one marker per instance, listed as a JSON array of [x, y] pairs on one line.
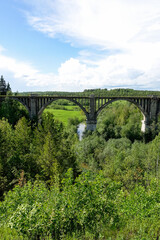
[[4, 88]]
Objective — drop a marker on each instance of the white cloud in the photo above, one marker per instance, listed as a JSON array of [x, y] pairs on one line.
[[104, 23], [22, 73], [74, 75], [132, 27], [129, 29]]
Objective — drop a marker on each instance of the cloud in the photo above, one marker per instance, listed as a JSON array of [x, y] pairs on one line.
[[22, 73], [103, 23], [130, 30], [120, 41], [75, 75]]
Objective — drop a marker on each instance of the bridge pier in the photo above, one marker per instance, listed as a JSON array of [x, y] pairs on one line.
[[153, 113], [92, 116], [91, 125], [154, 109], [33, 111]]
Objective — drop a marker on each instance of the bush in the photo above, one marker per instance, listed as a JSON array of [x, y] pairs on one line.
[[84, 206], [10, 234]]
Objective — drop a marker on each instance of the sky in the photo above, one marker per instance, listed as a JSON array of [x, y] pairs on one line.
[[72, 45]]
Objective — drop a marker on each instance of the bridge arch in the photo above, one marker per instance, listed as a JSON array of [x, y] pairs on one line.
[[143, 112], [23, 103], [17, 109], [18, 100], [59, 98]]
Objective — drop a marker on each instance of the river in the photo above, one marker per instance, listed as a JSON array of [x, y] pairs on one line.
[[80, 130]]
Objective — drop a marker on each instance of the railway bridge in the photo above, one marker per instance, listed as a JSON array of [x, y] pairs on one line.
[[91, 106]]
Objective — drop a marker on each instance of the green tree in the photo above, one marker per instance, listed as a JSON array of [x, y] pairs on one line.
[[121, 119], [52, 142], [22, 158], [12, 110], [6, 153], [47, 160]]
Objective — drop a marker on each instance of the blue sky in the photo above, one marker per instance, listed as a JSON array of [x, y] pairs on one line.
[[72, 45]]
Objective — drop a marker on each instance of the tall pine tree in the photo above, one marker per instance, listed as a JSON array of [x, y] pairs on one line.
[[4, 87]]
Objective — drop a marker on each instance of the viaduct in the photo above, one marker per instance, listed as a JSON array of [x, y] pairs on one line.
[[92, 106]]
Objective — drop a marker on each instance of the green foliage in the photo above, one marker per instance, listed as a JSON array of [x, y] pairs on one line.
[[90, 207], [45, 152], [84, 206], [48, 160], [25, 203], [4, 87], [140, 211], [12, 110], [98, 92], [61, 102], [121, 119], [52, 149], [104, 187], [7, 233], [6, 151], [88, 151], [119, 92]]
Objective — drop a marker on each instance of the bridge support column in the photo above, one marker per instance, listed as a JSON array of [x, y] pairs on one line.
[[92, 117], [91, 125], [33, 108], [154, 109], [153, 115], [151, 109]]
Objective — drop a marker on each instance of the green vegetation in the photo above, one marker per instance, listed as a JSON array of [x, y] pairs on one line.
[[98, 92], [53, 186], [4, 87], [64, 114], [12, 110]]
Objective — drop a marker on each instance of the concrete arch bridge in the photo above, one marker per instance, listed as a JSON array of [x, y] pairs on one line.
[[91, 106]]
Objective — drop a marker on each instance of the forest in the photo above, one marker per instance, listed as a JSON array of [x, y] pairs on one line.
[[53, 186], [98, 92]]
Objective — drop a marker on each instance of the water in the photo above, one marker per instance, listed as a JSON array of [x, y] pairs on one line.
[[80, 130]]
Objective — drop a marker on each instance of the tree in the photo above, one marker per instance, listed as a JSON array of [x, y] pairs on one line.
[[52, 148], [22, 159], [8, 87], [6, 152], [4, 87], [12, 110], [48, 161]]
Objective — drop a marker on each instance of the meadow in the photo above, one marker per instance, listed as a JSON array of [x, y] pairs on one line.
[[64, 114]]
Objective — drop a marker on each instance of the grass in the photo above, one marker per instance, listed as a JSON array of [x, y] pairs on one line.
[[64, 107], [65, 112], [65, 115]]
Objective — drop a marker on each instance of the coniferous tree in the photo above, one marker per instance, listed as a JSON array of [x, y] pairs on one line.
[[8, 87], [4, 87]]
